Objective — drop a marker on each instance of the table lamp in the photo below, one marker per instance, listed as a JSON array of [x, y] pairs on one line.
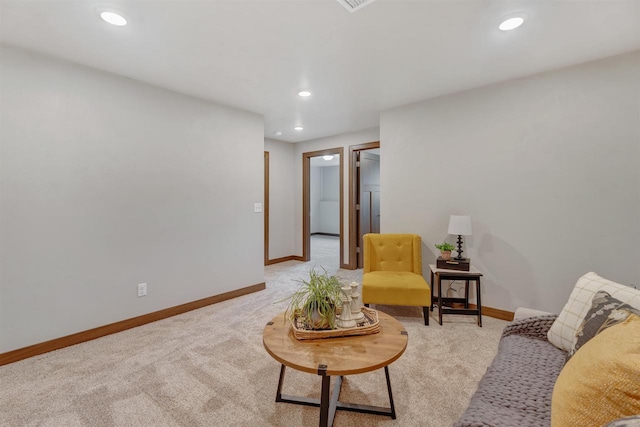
[[460, 225]]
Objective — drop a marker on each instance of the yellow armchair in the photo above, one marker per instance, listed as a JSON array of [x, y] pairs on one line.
[[393, 272]]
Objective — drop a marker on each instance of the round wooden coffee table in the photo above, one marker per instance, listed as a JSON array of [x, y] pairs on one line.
[[335, 357]]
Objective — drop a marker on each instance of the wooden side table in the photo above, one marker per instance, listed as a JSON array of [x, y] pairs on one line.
[[472, 275]]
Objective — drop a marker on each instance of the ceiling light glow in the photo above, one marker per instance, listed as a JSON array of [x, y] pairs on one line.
[[511, 23], [277, 133], [113, 18], [304, 93], [298, 128], [327, 157]]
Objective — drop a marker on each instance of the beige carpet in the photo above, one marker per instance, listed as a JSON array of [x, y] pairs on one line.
[[325, 251], [208, 368]]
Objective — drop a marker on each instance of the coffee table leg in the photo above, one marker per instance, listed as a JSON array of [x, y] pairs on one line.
[[279, 392], [391, 405], [324, 399], [329, 404]]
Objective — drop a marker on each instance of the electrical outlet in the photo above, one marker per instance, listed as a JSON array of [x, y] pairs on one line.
[[257, 207], [142, 289]]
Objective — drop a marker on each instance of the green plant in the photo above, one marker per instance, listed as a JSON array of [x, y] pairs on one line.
[[445, 246], [320, 294]]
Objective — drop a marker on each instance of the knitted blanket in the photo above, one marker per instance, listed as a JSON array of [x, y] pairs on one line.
[[516, 389]]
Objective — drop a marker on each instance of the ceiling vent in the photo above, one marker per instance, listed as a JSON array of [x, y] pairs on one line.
[[353, 5]]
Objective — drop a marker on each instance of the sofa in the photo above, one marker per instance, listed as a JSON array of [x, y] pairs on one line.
[[578, 368]]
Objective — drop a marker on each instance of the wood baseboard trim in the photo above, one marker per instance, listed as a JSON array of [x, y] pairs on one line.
[[101, 331], [284, 259], [496, 313]]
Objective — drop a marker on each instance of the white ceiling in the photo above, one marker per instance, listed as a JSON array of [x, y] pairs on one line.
[[256, 55]]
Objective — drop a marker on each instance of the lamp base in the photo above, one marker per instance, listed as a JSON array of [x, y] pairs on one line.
[[454, 264]]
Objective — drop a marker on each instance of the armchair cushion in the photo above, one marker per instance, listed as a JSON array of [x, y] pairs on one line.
[[395, 288]]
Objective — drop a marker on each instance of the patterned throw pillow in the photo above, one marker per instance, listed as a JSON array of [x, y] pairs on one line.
[[605, 312], [562, 333]]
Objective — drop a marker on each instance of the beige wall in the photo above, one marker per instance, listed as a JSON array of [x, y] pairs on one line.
[[547, 166], [281, 172], [107, 183]]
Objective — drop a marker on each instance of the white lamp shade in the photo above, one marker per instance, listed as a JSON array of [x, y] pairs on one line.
[[460, 224]]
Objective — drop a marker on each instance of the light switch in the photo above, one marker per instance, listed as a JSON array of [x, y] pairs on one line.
[[257, 207]]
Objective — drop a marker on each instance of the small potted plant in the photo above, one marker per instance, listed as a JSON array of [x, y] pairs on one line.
[[316, 300], [445, 250]]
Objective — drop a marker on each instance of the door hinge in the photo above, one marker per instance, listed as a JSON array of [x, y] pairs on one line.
[[357, 164], [358, 207], [357, 250]]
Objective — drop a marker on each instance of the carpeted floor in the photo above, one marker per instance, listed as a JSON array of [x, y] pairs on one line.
[[325, 251], [208, 368]]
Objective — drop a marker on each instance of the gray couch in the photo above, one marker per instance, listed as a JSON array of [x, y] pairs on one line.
[[517, 387]]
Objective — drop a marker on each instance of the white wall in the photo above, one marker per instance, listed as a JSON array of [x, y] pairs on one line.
[[547, 166], [315, 195], [343, 140], [324, 200], [281, 172], [330, 202], [107, 183], [331, 183]]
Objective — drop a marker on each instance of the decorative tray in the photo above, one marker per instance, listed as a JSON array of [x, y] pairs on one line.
[[369, 325]]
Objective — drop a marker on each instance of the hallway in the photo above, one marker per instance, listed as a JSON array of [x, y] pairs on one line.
[[325, 251]]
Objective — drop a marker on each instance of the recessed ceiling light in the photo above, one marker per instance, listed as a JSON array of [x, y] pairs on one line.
[[113, 18], [277, 133], [328, 157], [511, 23], [304, 93], [298, 128]]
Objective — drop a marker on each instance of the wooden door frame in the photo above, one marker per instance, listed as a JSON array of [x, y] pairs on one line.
[[265, 208], [353, 197], [306, 200]]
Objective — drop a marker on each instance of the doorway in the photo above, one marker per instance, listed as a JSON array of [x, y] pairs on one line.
[[364, 186], [322, 187]]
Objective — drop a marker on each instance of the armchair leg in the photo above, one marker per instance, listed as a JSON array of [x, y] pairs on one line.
[[366, 305], [425, 311]]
